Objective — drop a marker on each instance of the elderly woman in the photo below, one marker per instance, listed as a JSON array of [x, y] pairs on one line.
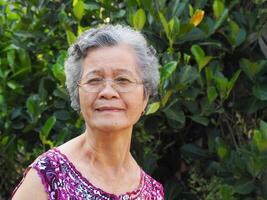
[[110, 74]]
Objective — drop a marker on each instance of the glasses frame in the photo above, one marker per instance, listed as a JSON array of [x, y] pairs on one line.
[[113, 85]]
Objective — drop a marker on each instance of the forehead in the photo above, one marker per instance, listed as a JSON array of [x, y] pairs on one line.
[[113, 59]]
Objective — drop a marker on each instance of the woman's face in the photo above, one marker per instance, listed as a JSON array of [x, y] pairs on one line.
[[109, 109]]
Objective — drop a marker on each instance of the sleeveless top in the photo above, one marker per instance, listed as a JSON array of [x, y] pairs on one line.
[[62, 181]]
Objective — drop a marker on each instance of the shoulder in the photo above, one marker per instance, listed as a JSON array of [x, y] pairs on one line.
[[154, 187], [49, 159], [37, 175], [27, 188]]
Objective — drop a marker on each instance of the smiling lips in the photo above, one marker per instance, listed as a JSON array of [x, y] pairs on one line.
[[108, 108]]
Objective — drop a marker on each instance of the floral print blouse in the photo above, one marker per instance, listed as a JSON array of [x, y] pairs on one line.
[[62, 181]]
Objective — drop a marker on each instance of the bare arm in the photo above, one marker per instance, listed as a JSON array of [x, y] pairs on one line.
[[31, 188]]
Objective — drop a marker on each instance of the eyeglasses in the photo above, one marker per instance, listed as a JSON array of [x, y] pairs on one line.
[[120, 84]]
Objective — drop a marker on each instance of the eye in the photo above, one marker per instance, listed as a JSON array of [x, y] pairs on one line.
[[94, 81], [123, 80]]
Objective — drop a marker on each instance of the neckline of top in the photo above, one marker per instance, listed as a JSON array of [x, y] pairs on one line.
[[88, 183]]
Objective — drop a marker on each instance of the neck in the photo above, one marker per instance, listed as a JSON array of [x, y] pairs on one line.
[[108, 150]]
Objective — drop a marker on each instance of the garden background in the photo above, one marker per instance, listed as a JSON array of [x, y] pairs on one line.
[[204, 137]]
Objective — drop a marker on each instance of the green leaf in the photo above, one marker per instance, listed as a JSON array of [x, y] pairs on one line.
[[244, 188], [200, 119], [218, 8], [3, 2], [58, 72], [166, 97], [220, 21], [240, 37], [231, 83], [187, 75], [74, 2], [212, 93], [248, 67], [175, 27], [62, 115], [251, 69], [176, 115], [260, 139], [32, 103], [61, 93], [209, 76], [203, 62], [13, 84], [152, 108], [11, 14], [24, 58], [11, 59], [197, 52], [119, 14], [21, 71], [263, 129], [187, 29], [192, 106], [4, 140], [33, 107], [221, 148], [263, 46], [165, 24], [191, 10], [234, 27], [91, 6], [222, 86], [179, 7], [171, 24], [11, 47], [70, 37], [226, 192], [167, 70], [189, 34], [260, 91], [61, 136], [58, 68], [195, 151], [78, 9], [49, 124], [139, 19]]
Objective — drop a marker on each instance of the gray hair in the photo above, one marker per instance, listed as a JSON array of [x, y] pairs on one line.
[[111, 35]]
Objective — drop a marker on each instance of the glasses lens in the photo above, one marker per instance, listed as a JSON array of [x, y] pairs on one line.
[[124, 87], [95, 85]]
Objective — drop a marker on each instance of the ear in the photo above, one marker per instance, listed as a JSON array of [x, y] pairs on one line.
[[145, 102]]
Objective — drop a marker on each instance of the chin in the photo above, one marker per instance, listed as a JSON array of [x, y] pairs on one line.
[[110, 126]]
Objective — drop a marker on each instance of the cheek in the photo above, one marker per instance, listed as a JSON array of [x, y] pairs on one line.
[[136, 107], [82, 101], [137, 102], [85, 102]]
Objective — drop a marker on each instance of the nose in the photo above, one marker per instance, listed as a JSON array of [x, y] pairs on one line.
[[108, 91]]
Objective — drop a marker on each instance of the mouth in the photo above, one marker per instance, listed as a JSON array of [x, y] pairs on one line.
[[109, 109]]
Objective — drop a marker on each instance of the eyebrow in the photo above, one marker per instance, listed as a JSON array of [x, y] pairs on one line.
[[98, 71]]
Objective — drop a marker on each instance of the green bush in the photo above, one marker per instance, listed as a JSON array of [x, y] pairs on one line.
[[204, 137]]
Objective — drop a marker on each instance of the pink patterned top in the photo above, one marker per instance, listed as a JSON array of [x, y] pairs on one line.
[[63, 181]]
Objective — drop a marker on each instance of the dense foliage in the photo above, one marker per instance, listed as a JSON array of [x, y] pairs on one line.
[[204, 137]]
